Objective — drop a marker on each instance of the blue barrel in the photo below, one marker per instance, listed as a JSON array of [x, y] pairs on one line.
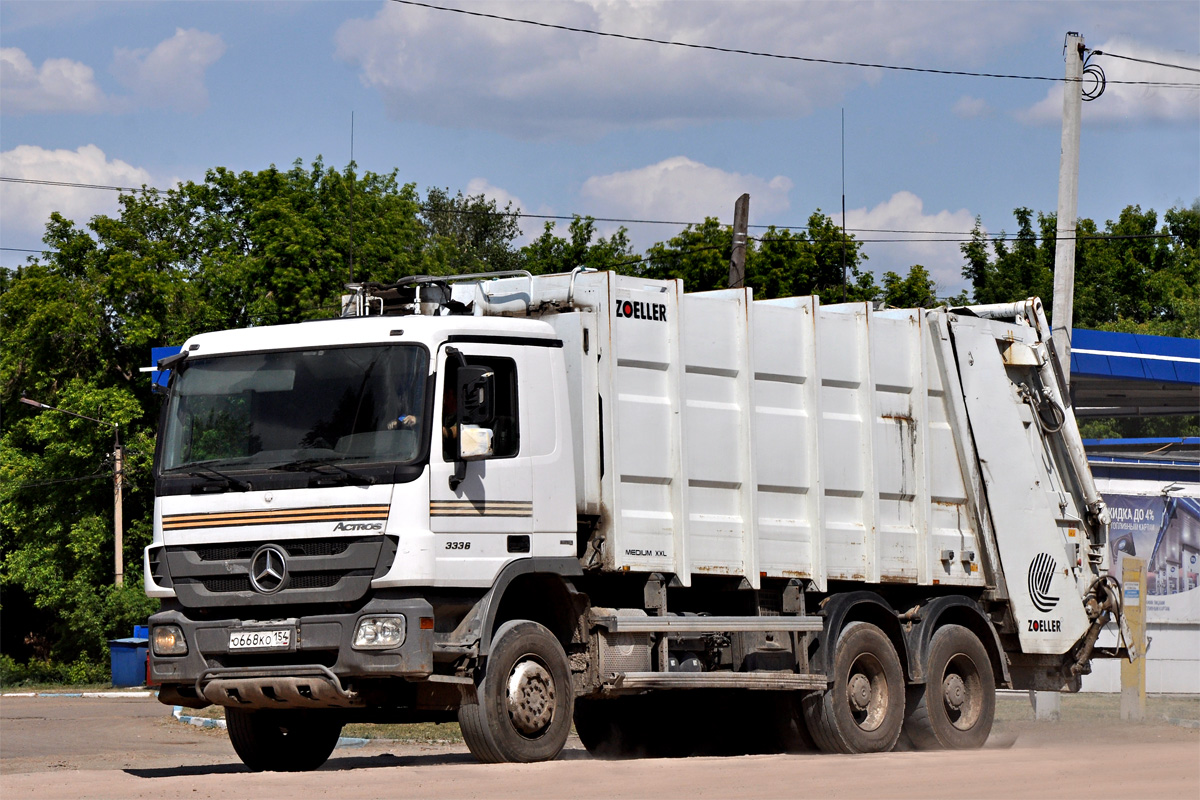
[[128, 660]]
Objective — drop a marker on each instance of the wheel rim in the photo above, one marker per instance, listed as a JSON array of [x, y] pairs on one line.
[[962, 692], [867, 692], [531, 697]]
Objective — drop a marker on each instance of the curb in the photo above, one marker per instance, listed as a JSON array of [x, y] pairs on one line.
[[206, 722], [77, 694], [1183, 723]]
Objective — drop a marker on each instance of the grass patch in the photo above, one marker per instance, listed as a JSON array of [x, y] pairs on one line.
[[1089, 707], [65, 688], [411, 733]]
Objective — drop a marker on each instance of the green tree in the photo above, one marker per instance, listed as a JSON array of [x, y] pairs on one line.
[[917, 290], [468, 234], [550, 253], [1132, 275]]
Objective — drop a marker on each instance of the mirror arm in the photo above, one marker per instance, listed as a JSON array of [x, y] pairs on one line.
[[460, 466], [460, 473]]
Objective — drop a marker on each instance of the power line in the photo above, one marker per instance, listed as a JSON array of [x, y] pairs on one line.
[[947, 237], [426, 208], [64, 480], [1145, 61], [761, 54], [73, 185]]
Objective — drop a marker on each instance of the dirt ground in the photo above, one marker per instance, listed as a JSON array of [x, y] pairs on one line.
[[74, 747]]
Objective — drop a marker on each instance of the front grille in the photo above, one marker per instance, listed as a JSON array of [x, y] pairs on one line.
[[320, 580], [312, 547], [226, 585], [303, 580], [319, 570]]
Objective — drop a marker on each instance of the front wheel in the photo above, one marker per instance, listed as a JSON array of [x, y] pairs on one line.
[[525, 699], [955, 708], [282, 741], [863, 710]]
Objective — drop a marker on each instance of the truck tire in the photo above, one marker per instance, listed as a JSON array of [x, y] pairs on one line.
[[955, 708], [863, 711], [282, 741], [525, 699]]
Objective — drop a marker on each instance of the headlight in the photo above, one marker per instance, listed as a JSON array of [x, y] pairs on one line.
[[380, 632], [167, 640]]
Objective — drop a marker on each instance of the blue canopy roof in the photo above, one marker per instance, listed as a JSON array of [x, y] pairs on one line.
[[1133, 374], [1135, 356]]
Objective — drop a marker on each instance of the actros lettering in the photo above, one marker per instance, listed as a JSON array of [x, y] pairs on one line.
[[358, 526]]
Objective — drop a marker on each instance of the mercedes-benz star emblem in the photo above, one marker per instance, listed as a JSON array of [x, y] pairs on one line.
[[268, 569]]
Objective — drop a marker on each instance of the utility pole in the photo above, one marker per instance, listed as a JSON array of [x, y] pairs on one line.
[[118, 507], [118, 485], [1068, 197], [737, 258], [1048, 705]]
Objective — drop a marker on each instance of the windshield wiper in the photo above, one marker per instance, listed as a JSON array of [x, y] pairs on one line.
[[199, 470], [313, 463]]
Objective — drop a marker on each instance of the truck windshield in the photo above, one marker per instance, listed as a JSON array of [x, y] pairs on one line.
[[358, 404]]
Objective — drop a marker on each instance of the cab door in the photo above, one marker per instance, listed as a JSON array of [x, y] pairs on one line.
[[480, 512]]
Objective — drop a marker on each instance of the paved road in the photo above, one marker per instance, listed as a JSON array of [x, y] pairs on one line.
[[132, 748]]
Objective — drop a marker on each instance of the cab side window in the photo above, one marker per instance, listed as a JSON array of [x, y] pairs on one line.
[[506, 434]]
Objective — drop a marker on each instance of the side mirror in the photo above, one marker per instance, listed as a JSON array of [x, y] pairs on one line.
[[475, 443], [476, 396]]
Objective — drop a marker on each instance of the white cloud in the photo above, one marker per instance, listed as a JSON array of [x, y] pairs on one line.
[[172, 74], [59, 85], [681, 189], [1129, 102], [27, 207], [969, 107], [456, 70], [481, 186], [904, 211]]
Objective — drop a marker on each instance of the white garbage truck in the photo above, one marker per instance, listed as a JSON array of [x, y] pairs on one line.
[[525, 502]]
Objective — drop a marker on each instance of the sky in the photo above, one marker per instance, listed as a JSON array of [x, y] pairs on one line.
[[561, 123]]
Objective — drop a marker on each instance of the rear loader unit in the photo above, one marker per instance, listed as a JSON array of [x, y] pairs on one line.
[[525, 501]]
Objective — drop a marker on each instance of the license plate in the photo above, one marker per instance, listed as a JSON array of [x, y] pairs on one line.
[[260, 640]]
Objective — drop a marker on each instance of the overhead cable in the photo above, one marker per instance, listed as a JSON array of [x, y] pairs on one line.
[[571, 217], [761, 54], [1146, 61]]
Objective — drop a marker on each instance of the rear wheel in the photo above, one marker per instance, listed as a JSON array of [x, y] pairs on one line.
[[955, 708], [282, 741], [524, 703], [863, 710]]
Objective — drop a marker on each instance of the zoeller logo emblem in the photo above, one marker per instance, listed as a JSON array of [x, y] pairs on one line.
[[636, 309], [268, 569], [1041, 573]]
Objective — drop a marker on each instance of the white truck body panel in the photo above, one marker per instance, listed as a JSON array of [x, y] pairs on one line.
[[783, 438]]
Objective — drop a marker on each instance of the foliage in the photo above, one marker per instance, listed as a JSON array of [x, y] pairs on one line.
[[915, 291], [38, 672], [550, 253], [779, 264], [1132, 275]]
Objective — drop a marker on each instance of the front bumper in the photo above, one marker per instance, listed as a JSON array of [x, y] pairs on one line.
[[321, 647]]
